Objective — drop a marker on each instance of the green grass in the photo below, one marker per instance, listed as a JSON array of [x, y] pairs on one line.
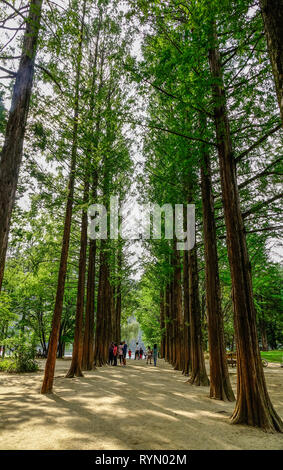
[[272, 356]]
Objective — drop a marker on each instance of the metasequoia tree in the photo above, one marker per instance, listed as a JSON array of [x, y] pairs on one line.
[[253, 404], [198, 375], [220, 386], [11, 154], [53, 340], [93, 142], [76, 364]]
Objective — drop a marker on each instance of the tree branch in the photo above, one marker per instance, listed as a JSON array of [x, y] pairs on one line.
[[261, 204], [179, 134], [13, 8], [49, 75], [9, 72], [262, 173], [258, 142]]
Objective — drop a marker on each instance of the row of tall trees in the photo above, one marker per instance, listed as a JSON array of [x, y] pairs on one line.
[[210, 80], [76, 154], [212, 110]]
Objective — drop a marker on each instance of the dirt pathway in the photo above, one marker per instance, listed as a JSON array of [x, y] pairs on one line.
[[137, 407]]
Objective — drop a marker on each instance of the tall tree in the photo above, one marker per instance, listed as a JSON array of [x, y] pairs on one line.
[[11, 154], [220, 386], [53, 340], [253, 404], [76, 364]]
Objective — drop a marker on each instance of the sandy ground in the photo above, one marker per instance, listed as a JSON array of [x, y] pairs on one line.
[[137, 407]]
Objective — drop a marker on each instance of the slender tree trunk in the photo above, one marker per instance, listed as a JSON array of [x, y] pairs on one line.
[[11, 155], [198, 372], [103, 320], [171, 323], [88, 346], [220, 386], [76, 364], [162, 323], [167, 321], [253, 406], [186, 368], [272, 15], [98, 352], [59, 351], [178, 310], [88, 341], [119, 296], [173, 312], [53, 341]]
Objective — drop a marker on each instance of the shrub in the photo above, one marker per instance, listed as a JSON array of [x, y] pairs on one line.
[[7, 365], [23, 360]]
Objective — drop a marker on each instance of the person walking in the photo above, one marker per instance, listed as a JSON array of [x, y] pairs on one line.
[[155, 354], [115, 352], [120, 353], [125, 347], [149, 355], [137, 351], [130, 353], [141, 353]]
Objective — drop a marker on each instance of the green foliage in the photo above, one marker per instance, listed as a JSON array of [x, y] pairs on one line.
[[23, 356], [129, 331], [147, 312]]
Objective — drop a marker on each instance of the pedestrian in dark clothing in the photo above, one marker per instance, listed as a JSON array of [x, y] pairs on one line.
[[110, 354], [125, 347]]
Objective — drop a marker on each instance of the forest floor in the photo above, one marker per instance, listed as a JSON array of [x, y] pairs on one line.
[[137, 407]]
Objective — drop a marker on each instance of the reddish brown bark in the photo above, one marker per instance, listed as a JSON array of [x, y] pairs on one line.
[[253, 406], [11, 155], [186, 342], [162, 323], [220, 386], [171, 321], [118, 298], [198, 375], [103, 333], [88, 344], [76, 364], [167, 321], [178, 326]]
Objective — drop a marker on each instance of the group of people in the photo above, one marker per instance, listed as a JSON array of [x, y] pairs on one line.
[[139, 352], [119, 351]]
